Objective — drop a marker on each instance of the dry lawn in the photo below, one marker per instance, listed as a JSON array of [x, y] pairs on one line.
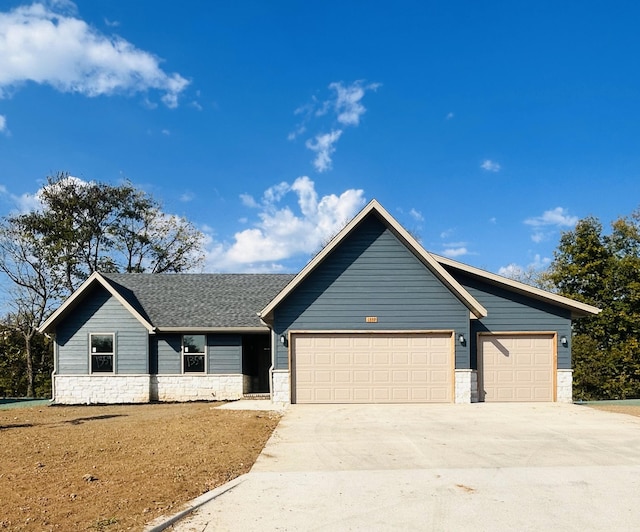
[[632, 410], [109, 468]]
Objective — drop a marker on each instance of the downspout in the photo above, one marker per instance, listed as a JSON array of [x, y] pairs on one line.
[[55, 367], [273, 357]]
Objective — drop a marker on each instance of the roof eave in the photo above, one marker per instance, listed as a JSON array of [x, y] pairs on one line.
[[230, 330], [577, 308], [74, 298]]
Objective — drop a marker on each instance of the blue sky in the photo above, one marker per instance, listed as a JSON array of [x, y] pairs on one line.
[[485, 128]]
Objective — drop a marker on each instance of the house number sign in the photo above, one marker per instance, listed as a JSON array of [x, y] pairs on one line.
[[371, 319]]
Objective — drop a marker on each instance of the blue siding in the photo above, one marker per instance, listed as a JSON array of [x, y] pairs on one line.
[[371, 273], [99, 312], [224, 353], [512, 312], [167, 348]]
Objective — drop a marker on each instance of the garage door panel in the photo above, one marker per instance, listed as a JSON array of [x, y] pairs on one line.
[[517, 367], [362, 359], [381, 376], [363, 368]]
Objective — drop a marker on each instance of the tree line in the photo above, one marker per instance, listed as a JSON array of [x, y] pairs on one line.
[[78, 228]]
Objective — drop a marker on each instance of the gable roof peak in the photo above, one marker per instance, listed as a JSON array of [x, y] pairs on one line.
[[374, 207]]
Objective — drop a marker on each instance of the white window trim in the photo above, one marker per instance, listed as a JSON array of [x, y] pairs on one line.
[[205, 354], [113, 354]]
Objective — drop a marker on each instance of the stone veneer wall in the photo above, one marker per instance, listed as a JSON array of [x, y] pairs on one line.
[[466, 386], [113, 389], [564, 386], [198, 387], [92, 389], [280, 387]]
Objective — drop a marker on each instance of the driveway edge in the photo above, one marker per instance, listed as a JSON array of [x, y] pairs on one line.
[[162, 522]]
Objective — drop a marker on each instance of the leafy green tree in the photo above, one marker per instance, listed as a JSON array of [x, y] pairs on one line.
[[91, 226], [604, 271]]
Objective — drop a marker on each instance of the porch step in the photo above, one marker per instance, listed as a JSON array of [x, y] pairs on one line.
[[265, 396]]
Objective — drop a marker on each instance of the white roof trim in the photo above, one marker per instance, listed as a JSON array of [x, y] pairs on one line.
[[430, 262], [77, 295], [537, 293]]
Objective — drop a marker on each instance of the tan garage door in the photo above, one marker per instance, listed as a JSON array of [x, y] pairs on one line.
[[372, 368], [516, 367]]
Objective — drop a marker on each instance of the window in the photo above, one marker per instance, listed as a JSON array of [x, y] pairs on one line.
[[193, 353], [102, 352]]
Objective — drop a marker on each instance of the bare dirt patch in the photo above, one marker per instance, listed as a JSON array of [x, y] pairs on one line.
[[109, 468], [632, 410]]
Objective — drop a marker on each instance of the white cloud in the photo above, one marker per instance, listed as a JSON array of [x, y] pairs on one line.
[[559, 217], [454, 252], [511, 271], [345, 109], [324, 147], [538, 236], [416, 215], [45, 43], [490, 166], [449, 116], [545, 225], [283, 232], [249, 201], [3, 124], [166, 132], [347, 102], [186, 197]]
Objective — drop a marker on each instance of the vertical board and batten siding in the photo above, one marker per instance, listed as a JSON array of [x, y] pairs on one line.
[[371, 273], [512, 312], [100, 312], [224, 354]]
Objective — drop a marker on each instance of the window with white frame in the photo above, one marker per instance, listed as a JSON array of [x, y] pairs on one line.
[[194, 353], [102, 347]]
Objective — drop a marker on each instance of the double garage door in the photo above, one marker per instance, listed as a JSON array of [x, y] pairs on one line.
[[372, 368], [417, 367]]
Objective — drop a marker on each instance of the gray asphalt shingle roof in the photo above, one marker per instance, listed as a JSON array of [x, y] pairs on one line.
[[199, 300]]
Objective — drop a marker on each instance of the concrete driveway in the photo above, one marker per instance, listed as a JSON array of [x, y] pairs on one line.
[[438, 467]]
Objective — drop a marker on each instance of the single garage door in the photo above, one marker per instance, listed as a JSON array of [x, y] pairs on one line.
[[372, 368], [516, 367]]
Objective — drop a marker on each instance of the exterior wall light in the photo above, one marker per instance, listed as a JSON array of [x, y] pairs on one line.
[[283, 339], [461, 339], [564, 341]]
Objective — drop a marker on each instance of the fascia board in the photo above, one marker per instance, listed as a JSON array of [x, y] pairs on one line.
[[230, 330], [78, 294], [537, 293]]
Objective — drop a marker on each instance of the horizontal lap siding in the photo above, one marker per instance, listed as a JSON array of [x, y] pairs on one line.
[[100, 312], [511, 312], [224, 354], [168, 351], [371, 273]]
